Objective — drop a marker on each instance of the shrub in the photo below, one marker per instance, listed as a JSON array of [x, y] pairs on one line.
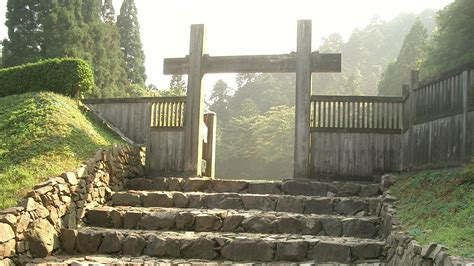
[[68, 76]]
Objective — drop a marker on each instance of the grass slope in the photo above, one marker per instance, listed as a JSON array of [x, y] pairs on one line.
[[41, 135], [438, 207]]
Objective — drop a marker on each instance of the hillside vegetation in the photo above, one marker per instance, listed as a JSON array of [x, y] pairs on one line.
[[438, 207], [43, 134]]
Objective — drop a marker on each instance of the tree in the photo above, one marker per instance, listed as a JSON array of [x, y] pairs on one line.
[[178, 85], [398, 72], [130, 42], [24, 43], [219, 100], [108, 12], [453, 42]]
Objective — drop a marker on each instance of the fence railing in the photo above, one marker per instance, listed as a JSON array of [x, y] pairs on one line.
[[168, 112], [362, 114]]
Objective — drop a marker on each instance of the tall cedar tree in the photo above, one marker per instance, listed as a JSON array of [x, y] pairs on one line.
[[453, 41], [398, 72], [108, 12], [61, 28], [130, 41]]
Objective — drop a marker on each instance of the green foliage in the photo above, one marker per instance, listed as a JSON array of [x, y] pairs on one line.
[[67, 76], [68, 28], [177, 86], [219, 100], [398, 72], [130, 42], [453, 41], [43, 135], [438, 206]]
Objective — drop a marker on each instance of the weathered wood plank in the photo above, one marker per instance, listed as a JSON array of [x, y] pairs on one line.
[[284, 63], [303, 94], [367, 99], [194, 102]]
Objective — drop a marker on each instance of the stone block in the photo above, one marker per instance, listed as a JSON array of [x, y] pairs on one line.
[[291, 251], [158, 221], [358, 228], [158, 200], [199, 248], [184, 221], [367, 251], [311, 226], [350, 207], [111, 243], [180, 200], [289, 225], [41, 238], [98, 217], [68, 239], [332, 226], [290, 204], [248, 250], [126, 199], [319, 206], [131, 219], [330, 252], [196, 184], [133, 245], [232, 222], [264, 188], [348, 190], [259, 202], [207, 223], [295, 187], [162, 247], [88, 242], [259, 224], [6, 233], [234, 186]]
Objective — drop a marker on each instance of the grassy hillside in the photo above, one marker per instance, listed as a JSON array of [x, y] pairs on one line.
[[42, 135], [438, 207]]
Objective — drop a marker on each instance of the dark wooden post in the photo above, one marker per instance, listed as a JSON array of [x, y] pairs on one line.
[[194, 102], [209, 150], [413, 85], [465, 105], [406, 113], [303, 95]]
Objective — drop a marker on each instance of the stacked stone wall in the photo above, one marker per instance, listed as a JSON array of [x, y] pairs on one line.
[[32, 228]]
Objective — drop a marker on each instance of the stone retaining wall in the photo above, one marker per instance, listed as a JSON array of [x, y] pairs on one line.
[[402, 247], [32, 228]]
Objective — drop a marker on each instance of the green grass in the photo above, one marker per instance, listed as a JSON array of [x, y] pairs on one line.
[[438, 207], [42, 135]]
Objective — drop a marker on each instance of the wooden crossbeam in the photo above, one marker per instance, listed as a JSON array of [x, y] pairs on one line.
[[284, 63]]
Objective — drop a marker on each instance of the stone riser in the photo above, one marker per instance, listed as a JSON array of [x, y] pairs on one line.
[[232, 221], [279, 203], [208, 246], [290, 187]]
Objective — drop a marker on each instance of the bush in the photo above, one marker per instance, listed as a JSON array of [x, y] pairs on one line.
[[68, 76]]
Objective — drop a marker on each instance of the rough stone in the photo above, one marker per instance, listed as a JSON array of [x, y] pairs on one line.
[[290, 204], [259, 224], [371, 190], [291, 251], [98, 217], [41, 238], [232, 222], [200, 248], [158, 221], [133, 245], [259, 202], [319, 189], [116, 219], [318, 206], [159, 247], [158, 200], [207, 222], [131, 219], [6, 233], [223, 201], [294, 187], [139, 184], [180, 200], [367, 251], [111, 243], [348, 190], [264, 188], [126, 199], [330, 252], [350, 207], [70, 178], [184, 221], [8, 219], [234, 186], [332, 226], [289, 225], [68, 239], [29, 204], [358, 228], [7, 249], [174, 184], [196, 184], [195, 201], [88, 242], [311, 226], [248, 249], [158, 184]]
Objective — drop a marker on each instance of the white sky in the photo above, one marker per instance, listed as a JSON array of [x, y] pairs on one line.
[[248, 26]]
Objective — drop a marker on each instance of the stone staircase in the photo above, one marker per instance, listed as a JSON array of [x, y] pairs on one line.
[[183, 220]]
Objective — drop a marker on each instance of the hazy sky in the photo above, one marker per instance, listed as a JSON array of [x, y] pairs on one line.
[[248, 26]]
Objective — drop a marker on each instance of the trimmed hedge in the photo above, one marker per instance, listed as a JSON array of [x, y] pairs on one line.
[[68, 76]]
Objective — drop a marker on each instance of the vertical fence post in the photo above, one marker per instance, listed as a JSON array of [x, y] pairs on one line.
[[412, 103], [465, 104], [209, 148], [194, 102], [303, 95], [405, 126]]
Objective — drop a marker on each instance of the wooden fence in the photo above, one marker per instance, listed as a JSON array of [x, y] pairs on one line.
[[431, 126], [158, 124]]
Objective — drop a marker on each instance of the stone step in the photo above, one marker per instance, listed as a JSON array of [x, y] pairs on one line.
[[220, 246], [280, 203], [304, 187], [78, 260], [217, 220]]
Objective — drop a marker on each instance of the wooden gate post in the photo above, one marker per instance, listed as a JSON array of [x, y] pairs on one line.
[[303, 95], [194, 102], [209, 151], [413, 85], [465, 105]]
